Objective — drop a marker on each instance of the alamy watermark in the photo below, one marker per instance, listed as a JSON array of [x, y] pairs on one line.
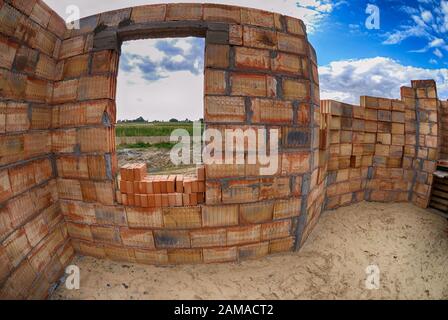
[[227, 147], [73, 280], [373, 20], [373, 277]]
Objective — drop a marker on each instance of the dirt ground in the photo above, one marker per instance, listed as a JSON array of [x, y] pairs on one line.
[[408, 244], [158, 160]]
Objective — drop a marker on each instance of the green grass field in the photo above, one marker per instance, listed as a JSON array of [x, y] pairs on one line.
[[162, 129]]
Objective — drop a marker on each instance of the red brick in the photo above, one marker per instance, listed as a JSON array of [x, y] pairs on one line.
[[119, 253], [36, 230], [96, 87], [257, 212], [259, 38], [220, 255], [184, 11], [208, 238], [276, 230], [137, 238], [72, 47], [21, 209], [281, 245], [215, 82], [165, 239], [241, 191], [5, 186], [295, 90], [148, 13], [151, 257], [257, 17], [182, 218], [185, 256], [253, 251], [294, 26], [247, 58], [41, 13], [295, 163], [144, 218], [287, 208], [8, 51], [249, 85], [243, 235], [222, 13], [235, 34], [287, 63], [219, 216], [291, 44]]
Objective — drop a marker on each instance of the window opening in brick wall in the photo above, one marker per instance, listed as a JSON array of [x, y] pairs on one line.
[[160, 88]]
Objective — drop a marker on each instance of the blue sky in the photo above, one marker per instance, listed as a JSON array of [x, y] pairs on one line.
[[411, 43]]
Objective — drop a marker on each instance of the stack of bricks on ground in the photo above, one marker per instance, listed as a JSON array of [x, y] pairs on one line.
[[139, 189], [59, 192]]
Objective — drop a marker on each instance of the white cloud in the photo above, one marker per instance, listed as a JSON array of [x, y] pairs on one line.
[[310, 11], [347, 80], [429, 22]]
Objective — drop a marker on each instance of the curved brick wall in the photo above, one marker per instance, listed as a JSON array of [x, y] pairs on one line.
[[58, 168], [260, 72]]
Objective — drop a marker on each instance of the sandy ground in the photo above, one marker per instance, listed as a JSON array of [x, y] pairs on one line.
[[408, 244]]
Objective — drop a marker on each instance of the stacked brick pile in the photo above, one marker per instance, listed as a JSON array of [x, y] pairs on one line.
[[366, 151], [139, 189]]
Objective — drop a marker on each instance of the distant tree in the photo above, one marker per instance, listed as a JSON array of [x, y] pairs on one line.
[[139, 119], [174, 120]]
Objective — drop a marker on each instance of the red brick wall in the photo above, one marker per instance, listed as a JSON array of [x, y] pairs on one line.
[[260, 72], [57, 150], [34, 245], [384, 150]]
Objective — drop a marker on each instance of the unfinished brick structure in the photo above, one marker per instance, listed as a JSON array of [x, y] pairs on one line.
[[59, 192]]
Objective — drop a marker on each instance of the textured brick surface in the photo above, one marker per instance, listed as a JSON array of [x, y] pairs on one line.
[[59, 176]]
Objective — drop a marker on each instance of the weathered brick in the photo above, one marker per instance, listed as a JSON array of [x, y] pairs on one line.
[[276, 230], [287, 208], [292, 44], [281, 245], [79, 231], [72, 47], [253, 251], [185, 256], [259, 38], [144, 218], [65, 91], [219, 216], [224, 109], [220, 255], [256, 212], [208, 238], [96, 87], [165, 239], [36, 230], [151, 257], [248, 58], [182, 218], [249, 85], [287, 63], [148, 13], [8, 51], [115, 17], [295, 163], [215, 82], [271, 111], [257, 17], [217, 56], [241, 191], [222, 13], [41, 13], [294, 26], [296, 90], [119, 253], [185, 11], [243, 235]]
